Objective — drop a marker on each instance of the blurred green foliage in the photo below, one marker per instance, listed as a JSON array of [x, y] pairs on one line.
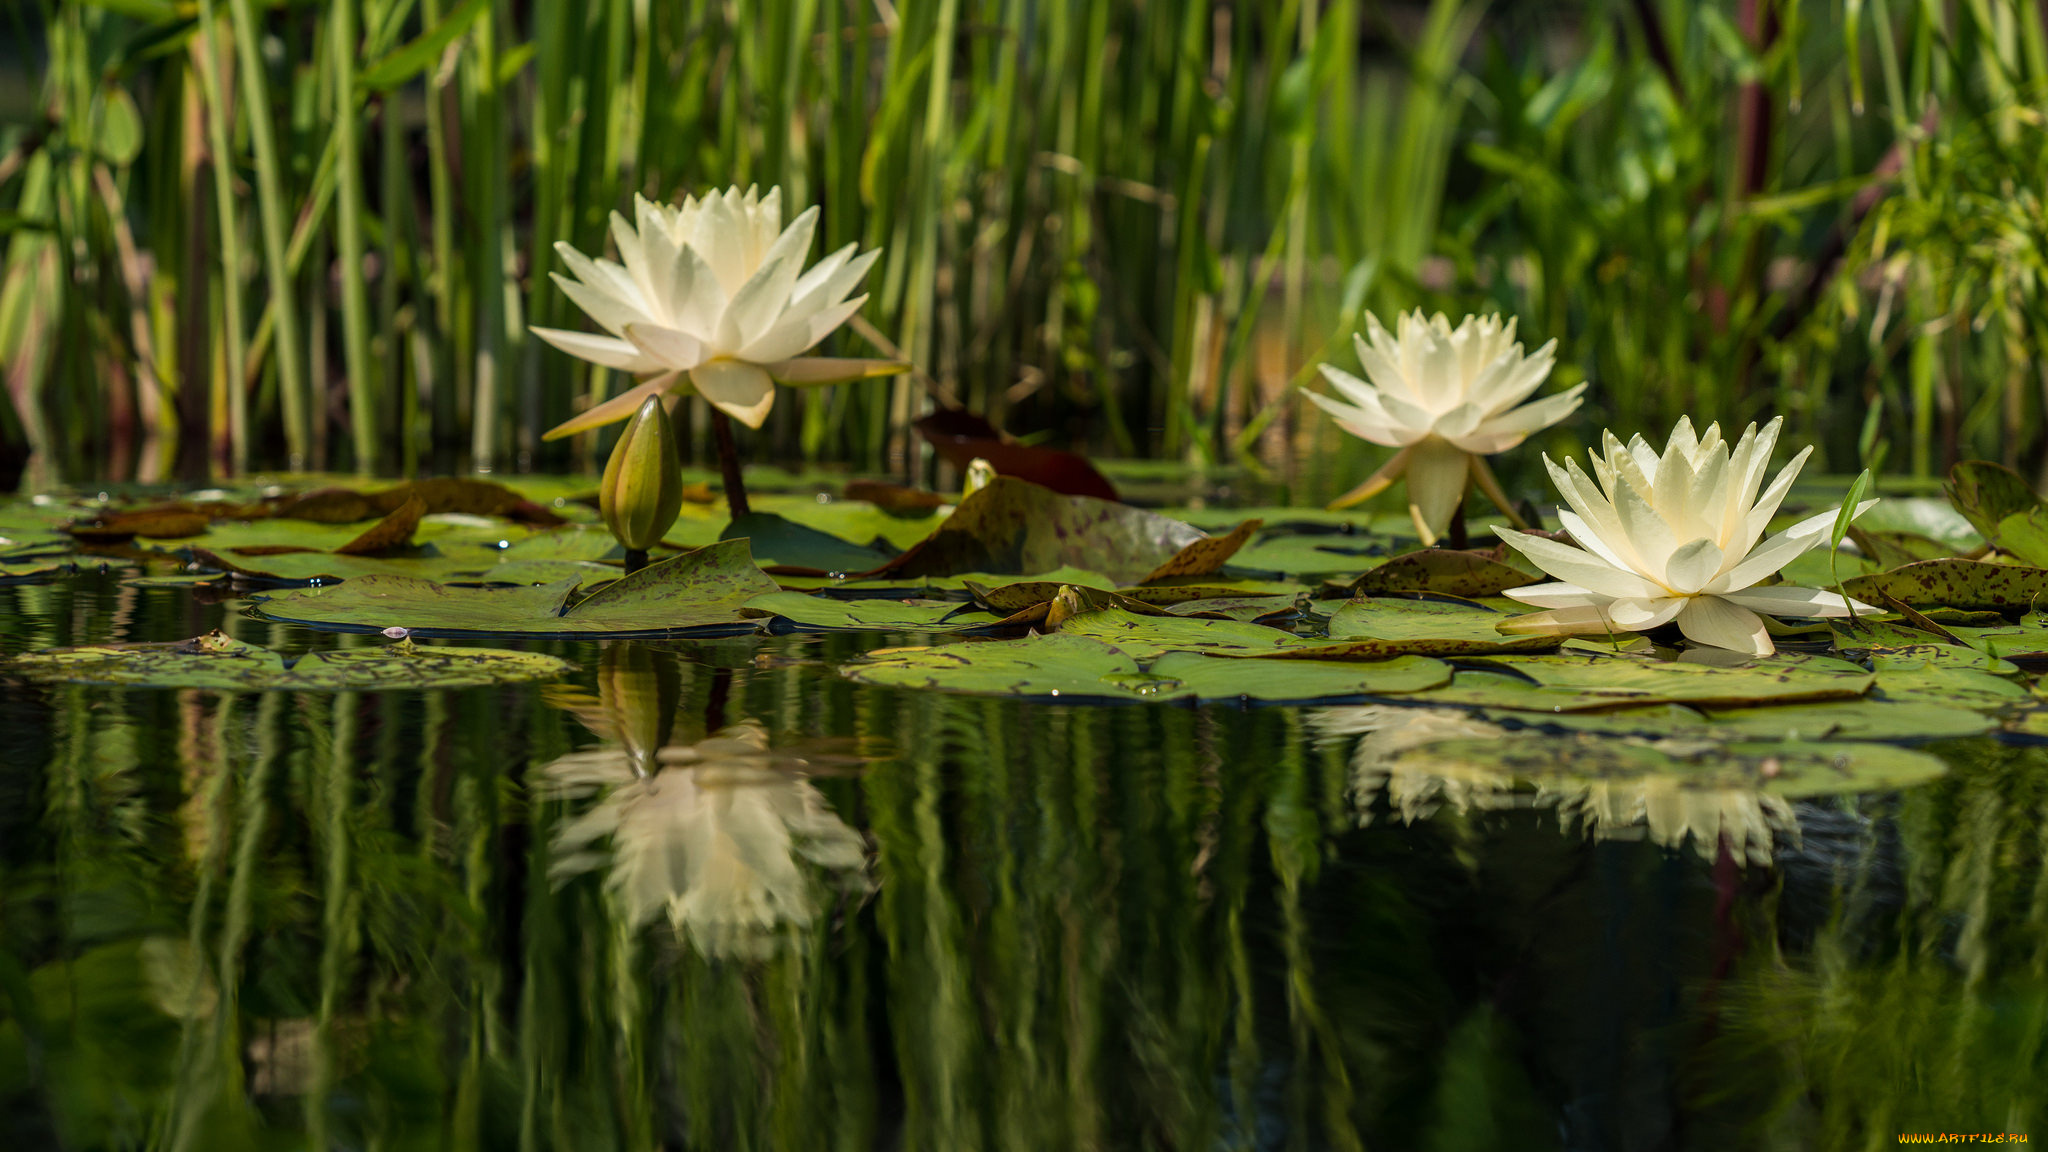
[[314, 234]]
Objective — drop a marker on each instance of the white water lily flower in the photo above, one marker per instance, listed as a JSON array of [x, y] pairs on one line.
[[1447, 398], [712, 298], [1675, 537]]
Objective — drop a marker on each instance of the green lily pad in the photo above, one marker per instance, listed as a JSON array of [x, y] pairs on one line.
[[1446, 571], [24, 571], [1019, 528], [1051, 665], [587, 542], [584, 572], [1970, 584], [699, 593], [1441, 627], [781, 543], [218, 662], [1209, 678], [1250, 609], [1151, 636], [1987, 494], [1895, 549], [1078, 667], [1935, 520], [1904, 681], [1313, 555], [802, 612], [1171, 592], [1572, 681]]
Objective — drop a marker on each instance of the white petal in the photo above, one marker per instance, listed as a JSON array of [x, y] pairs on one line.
[[814, 371], [1777, 552], [719, 241], [1355, 390], [1365, 423], [695, 295], [1692, 564], [1586, 620], [741, 390], [1643, 615], [832, 287], [1512, 427], [675, 350], [1554, 595], [1584, 535], [611, 313], [1458, 422], [1715, 622], [1649, 537], [606, 350], [1759, 515], [1580, 567], [1791, 600], [1437, 474], [761, 300]]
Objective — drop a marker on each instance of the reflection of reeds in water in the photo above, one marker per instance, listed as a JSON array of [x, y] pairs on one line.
[[1393, 756], [717, 835]]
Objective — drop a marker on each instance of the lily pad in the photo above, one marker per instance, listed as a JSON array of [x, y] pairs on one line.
[[219, 662], [699, 593], [1441, 627], [782, 545], [1986, 494], [1572, 682], [1174, 592], [1448, 571], [1970, 584], [1208, 678], [24, 571], [1250, 609], [1052, 665], [1078, 667], [1015, 527], [802, 612], [1151, 636]]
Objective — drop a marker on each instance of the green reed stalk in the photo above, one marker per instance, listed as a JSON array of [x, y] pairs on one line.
[[270, 213], [205, 54], [484, 140], [355, 307]]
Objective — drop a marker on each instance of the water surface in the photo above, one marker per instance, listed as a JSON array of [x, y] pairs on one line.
[[554, 917]]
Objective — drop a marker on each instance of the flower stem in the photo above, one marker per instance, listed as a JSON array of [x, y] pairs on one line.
[[729, 462], [636, 559]]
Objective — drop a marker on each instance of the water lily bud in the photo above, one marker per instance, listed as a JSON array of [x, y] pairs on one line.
[[642, 490], [980, 474]]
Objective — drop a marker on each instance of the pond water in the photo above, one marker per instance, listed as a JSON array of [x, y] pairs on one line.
[[466, 919]]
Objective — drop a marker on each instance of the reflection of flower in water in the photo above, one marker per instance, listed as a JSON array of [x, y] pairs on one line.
[[1416, 785], [716, 835], [1670, 808], [1394, 755]]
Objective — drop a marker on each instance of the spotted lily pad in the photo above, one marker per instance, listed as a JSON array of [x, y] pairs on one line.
[[216, 661], [699, 593], [1955, 583]]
